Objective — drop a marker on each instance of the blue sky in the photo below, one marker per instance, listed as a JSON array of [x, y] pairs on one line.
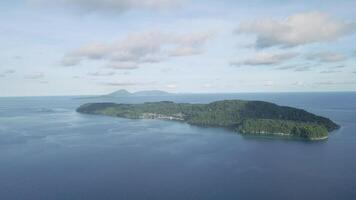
[[74, 47]]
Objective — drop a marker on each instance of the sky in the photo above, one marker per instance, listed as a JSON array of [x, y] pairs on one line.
[[85, 47]]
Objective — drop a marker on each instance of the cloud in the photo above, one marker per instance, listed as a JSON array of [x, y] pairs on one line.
[[339, 66], [269, 83], [286, 67], [208, 85], [111, 6], [70, 61], [336, 83], [298, 29], [35, 76], [140, 48], [101, 73], [171, 86], [121, 84], [7, 72], [326, 57], [123, 65], [298, 67], [185, 51], [93, 51], [267, 59], [330, 71], [303, 68], [299, 83]]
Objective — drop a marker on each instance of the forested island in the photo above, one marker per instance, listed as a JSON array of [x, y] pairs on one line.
[[245, 117]]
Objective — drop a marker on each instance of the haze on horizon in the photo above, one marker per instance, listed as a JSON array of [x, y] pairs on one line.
[[74, 47]]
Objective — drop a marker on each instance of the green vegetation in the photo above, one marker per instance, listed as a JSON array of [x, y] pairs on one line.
[[246, 117], [309, 131]]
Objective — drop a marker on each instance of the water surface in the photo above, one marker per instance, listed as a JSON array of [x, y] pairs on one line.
[[48, 151]]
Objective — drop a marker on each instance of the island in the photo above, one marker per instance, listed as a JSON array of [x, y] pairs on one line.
[[245, 117]]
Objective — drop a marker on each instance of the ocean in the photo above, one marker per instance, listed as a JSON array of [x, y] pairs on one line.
[[48, 151]]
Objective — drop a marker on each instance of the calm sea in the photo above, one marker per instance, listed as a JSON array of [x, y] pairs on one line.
[[48, 151]]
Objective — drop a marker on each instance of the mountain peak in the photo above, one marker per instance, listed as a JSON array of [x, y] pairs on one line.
[[121, 92]]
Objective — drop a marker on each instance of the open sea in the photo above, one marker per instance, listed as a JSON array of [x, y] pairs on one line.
[[48, 151]]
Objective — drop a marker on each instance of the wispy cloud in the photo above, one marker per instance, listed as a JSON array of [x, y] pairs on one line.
[[7, 72], [298, 29], [101, 73], [35, 76], [326, 57], [267, 59], [269, 83], [123, 65], [338, 67], [330, 71], [141, 48], [120, 84], [336, 83], [109, 6], [286, 67], [298, 67], [303, 68], [299, 83], [171, 86], [70, 60], [127, 84]]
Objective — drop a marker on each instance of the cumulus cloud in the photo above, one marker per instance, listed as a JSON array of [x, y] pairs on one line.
[[298, 29], [112, 6], [326, 57], [140, 48], [267, 59]]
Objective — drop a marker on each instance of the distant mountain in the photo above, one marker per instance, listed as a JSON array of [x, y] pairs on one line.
[[119, 93], [122, 92]]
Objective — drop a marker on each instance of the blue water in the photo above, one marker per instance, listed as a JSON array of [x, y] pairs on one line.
[[48, 151]]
